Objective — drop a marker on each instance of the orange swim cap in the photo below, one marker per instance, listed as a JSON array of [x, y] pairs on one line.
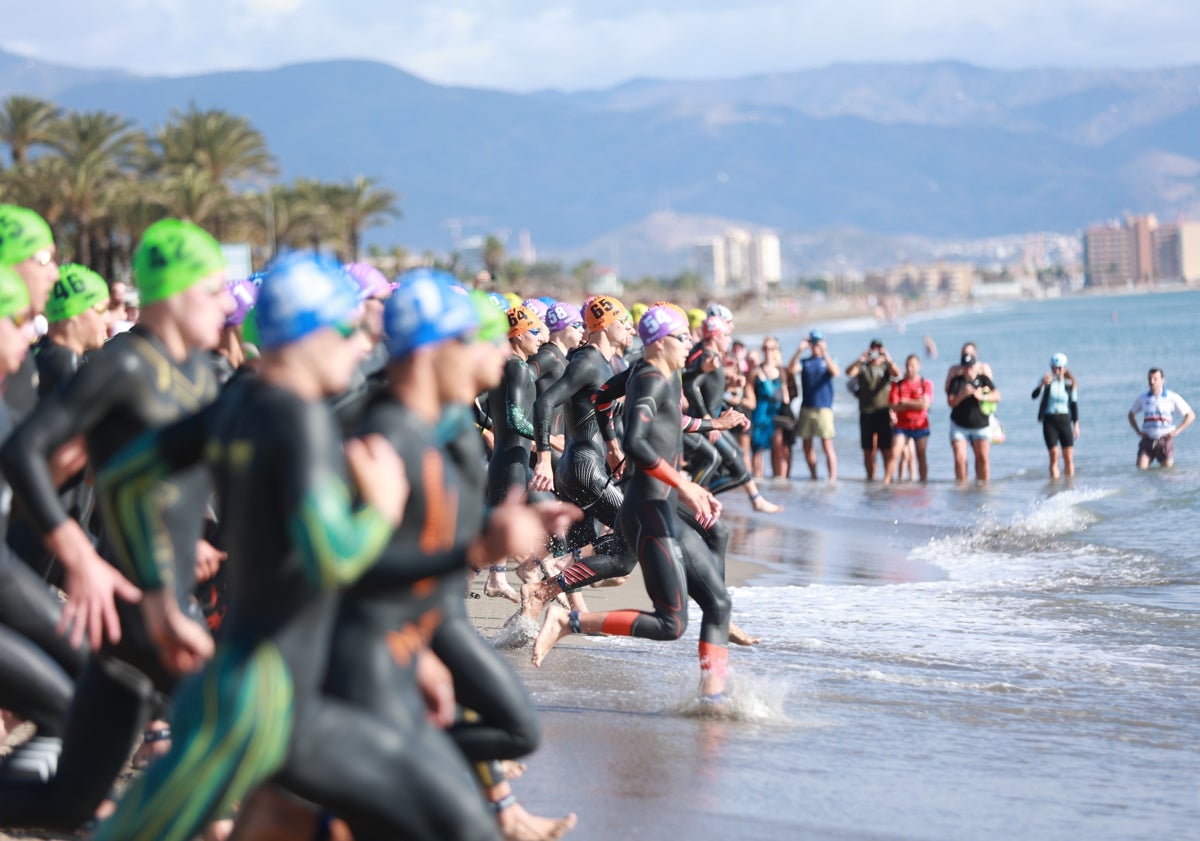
[[521, 320], [601, 311]]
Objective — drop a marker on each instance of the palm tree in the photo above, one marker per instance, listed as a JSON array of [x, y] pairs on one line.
[[94, 151], [357, 205], [225, 147], [191, 194], [493, 256], [25, 122]]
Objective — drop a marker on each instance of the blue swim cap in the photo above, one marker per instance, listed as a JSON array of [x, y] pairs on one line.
[[300, 294], [547, 300], [499, 300], [1058, 360], [816, 336], [428, 307]]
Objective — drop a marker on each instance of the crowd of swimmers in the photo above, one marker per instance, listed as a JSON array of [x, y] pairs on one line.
[[240, 533]]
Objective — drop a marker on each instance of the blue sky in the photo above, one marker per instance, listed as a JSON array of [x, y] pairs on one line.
[[575, 44]]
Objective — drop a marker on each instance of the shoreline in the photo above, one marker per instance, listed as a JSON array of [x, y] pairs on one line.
[[792, 312]]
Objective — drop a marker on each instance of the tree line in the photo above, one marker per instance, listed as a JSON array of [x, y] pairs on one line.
[[100, 181]]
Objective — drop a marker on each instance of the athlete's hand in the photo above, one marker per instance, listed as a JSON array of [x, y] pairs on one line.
[[701, 502], [68, 460], [92, 585], [379, 475], [543, 474], [437, 688], [557, 516], [183, 645], [615, 458], [731, 419], [208, 560]]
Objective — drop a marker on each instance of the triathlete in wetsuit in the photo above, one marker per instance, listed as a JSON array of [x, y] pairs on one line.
[[78, 314], [583, 476], [275, 454], [143, 379], [27, 246], [510, 406], [37, 665], [498, 720], [652, 441], [704, 387]]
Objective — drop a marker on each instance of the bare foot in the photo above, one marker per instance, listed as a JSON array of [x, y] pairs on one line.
[[529, 571], [611, 582], [518, 825], [497, 587], [535, 597], [762, 505], [511, 768], [553, 566], [739, 637], [556, 626]]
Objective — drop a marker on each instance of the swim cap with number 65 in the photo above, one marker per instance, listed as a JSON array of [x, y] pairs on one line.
[[602, 311]]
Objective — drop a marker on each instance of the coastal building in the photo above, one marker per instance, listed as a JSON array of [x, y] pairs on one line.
[[1139, 251], [740, 261]]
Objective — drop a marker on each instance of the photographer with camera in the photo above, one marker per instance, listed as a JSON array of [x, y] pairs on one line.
[[873, 372]]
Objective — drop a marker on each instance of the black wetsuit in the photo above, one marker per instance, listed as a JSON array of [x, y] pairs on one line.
[[498, 720], [510, 406], [56, 364], [653, 434], [705, 392], [548, 365], [293, 541], [390, 614], [715, 535], [37, 666], [21, 389], [368, 380], [131, 385], [582, 476]]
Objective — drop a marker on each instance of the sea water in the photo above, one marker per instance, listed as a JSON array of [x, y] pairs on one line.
[[1020, 660]]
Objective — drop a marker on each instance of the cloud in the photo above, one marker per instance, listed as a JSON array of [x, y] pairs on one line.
[[521, 44]]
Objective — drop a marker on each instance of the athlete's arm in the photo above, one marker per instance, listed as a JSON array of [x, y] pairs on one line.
[[605, 400], [337, 542], [75, 408], [578, 375]]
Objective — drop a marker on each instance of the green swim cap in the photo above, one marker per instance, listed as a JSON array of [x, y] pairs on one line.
[[173, 256], [250, 329], [493, 322], [78, 290], [14, 294], [23, 233]]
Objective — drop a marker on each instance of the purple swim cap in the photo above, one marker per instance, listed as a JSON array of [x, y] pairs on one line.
[[561, 316], [662, 321], [537, 305], [372, 283], [245, 295]]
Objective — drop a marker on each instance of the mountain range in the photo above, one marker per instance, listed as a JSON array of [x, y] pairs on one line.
[[942, 151]]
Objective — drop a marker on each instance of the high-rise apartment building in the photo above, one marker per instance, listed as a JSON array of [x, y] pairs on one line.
[[1139, 251], [740, 261]]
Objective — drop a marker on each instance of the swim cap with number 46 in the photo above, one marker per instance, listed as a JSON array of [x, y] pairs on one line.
[[602, 311]]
